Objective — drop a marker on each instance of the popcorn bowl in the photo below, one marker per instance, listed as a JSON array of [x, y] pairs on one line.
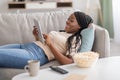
[[86, 59]]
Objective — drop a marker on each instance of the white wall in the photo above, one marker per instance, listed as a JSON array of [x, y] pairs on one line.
[[116, 20], [3, 5], [83, 5], [78, 4], [92, 7]]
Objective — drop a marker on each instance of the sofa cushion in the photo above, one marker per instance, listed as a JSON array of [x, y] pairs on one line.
[[87, 39], [101, 42]]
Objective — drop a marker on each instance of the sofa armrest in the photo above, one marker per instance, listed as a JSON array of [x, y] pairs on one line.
[[102, 42]]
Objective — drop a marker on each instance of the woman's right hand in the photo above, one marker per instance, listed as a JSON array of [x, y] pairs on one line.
[[35, 33]]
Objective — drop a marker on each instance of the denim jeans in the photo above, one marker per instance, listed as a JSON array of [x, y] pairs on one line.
[[17, 55]]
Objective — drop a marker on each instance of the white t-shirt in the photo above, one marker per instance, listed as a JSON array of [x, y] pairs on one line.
[[59, 40]]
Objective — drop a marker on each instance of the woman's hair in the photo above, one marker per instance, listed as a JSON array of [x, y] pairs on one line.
[[83, 20]]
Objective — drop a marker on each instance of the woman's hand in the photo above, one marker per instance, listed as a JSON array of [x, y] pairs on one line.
[[47, 39], [35, 33]]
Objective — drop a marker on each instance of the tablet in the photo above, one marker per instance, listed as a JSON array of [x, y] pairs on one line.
[[40, 35]]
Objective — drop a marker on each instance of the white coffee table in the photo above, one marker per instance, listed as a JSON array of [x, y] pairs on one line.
[[105, 69]]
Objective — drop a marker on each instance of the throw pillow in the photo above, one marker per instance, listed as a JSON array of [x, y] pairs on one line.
[[87, 39]]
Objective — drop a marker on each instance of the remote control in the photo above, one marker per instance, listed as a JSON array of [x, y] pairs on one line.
[[58, 69]]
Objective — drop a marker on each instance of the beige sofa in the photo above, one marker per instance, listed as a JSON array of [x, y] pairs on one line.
[[17, 28]]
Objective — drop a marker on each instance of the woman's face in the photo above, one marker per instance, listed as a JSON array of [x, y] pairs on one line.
[[71, 24]]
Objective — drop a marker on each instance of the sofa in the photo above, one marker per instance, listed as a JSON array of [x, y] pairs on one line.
[[17, 28]]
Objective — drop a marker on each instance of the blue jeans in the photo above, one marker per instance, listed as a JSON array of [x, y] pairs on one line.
[[17, 55]]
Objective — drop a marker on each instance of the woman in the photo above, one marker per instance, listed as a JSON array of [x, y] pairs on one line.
[[59, 45]]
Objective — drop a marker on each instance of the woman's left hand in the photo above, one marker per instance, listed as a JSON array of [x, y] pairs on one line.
[[47, 39]]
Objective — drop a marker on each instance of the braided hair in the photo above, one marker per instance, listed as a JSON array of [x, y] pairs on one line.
[[83, 20]]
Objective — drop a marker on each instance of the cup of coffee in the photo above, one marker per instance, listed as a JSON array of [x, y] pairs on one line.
[[33, 67]]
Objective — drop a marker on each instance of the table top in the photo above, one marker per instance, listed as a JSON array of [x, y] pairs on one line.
[[105, 69]]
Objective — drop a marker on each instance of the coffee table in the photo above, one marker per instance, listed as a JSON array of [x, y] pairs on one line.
[[105, 69]]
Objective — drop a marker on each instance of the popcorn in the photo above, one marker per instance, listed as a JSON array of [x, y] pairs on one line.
[[86, 59]]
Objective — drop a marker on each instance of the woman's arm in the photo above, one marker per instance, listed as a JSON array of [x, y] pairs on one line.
[[58, 56]]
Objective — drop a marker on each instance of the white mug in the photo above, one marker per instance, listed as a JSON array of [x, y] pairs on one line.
[[33, 67]]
